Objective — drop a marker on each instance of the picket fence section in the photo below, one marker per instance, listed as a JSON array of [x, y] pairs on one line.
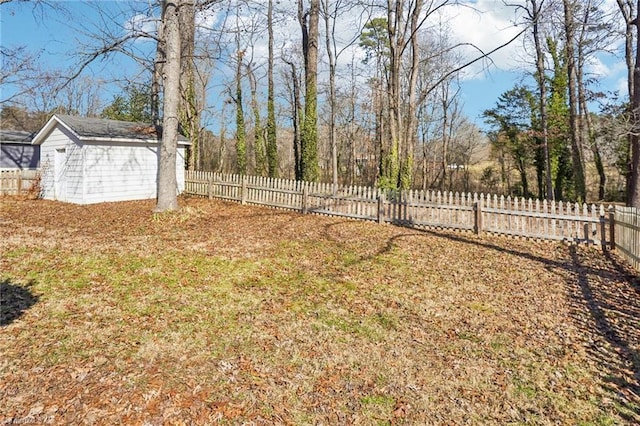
[[625, 234], [430, 209], [618, 227], [17, 182]]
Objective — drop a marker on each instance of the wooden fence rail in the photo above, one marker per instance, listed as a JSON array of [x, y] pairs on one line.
[[473, 212], [17, 182]]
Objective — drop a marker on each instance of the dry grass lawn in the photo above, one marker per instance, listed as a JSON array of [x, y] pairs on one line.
[[229, 314]]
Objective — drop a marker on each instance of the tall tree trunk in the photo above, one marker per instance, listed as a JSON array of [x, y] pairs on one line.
[[241, 137], [597, 159], [587, 129], [576, 148], [629, 10], [296, 110], [391, 172], [353, 154], [445, 137], [222, 151], [156, 78], [381, 141], [634, 181], [411, 128], [167, 182], [535, 15], [272, 146], [329, 31], [309, 23], [259, 146], [190, 104]]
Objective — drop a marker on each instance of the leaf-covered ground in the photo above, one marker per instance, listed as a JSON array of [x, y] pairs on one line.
[[229, 314]]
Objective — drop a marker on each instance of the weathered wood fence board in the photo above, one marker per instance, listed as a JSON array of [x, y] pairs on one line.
[[544, 220], [17, 182], [625, 234]]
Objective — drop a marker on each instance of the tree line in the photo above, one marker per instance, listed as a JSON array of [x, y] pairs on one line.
[[379, 104], [548, 127]]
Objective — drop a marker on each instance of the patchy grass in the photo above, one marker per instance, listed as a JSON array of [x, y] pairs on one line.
[[220, 313]]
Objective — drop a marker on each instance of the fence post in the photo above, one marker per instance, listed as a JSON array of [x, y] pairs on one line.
[[19, 183], [243, 190], [381, 208], [587, 240], [612, 227], [210, 187], [305, 199], [477, 210], [603, 232]]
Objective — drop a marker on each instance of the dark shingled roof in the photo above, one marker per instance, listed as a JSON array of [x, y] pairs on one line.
[[113, 129], [16, 136]]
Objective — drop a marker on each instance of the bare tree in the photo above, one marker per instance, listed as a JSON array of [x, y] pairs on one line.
[[296, 114], [20, 69], [569, 7], [629, 11], [272, 146], [241, 138], [167, 182], [403, 30], [189, 103], [309, 25], [331, 10], [593, 35], [259, 140], [534, 13], [634, 180]]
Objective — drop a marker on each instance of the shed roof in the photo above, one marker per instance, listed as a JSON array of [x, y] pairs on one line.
[[16, 136], [102, 129]]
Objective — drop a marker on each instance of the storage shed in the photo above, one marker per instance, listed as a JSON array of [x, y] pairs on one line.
[[94, 160], [17, 152]]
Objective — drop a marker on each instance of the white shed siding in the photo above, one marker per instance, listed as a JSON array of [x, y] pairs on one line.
[[119, 172], [60, 139], [56, 140], [74, 173], [180, 165]]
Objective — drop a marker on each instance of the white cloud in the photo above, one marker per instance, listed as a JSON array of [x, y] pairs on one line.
[[486, 24], [141, 25], [480, 25], [597, 68], [622, 86]]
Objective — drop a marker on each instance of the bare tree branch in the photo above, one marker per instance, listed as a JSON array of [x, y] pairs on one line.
[[473, 61]]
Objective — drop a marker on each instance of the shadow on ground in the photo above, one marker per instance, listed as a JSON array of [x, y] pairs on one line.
[[14, 301], [604, 294], [606, 301]]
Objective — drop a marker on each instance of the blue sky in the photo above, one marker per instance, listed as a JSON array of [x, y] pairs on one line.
[[59, 37]]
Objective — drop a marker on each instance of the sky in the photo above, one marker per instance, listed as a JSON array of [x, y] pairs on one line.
[[61, 37]]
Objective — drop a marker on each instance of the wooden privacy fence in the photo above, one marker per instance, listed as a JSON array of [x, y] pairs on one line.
[[17, 182], [474, 212], [625, 233]]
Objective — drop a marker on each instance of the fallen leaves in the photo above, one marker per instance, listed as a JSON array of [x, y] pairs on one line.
[[239, 314]]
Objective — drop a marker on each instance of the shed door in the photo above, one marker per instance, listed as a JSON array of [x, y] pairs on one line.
[[59, 175]]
